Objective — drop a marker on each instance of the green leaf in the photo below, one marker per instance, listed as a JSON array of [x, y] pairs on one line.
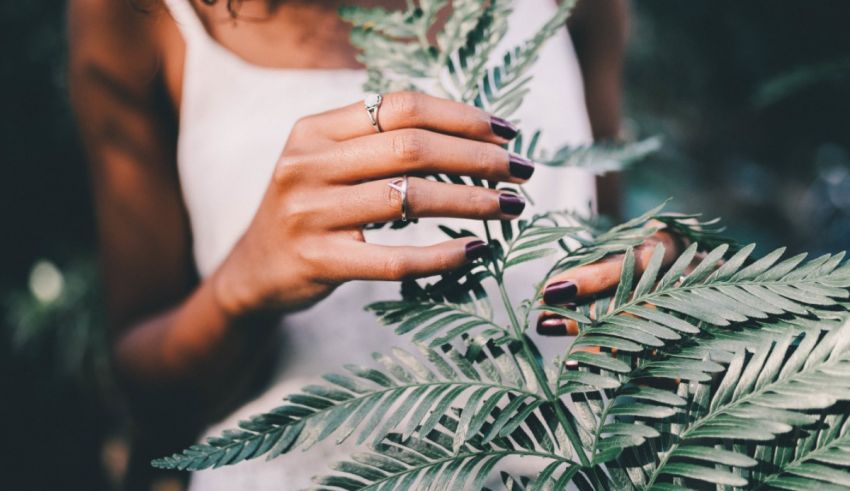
[[702, 473], [716, 456]]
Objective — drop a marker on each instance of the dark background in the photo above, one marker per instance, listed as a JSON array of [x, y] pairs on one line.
[[772, 162]]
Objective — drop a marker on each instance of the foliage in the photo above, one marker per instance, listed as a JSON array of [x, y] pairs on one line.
[[801, 78], [723, 370], [57, 319]]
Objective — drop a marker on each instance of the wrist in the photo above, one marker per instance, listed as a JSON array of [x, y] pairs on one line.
[[233, 296]]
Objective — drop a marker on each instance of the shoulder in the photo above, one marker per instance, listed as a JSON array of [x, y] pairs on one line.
[[126, 43]]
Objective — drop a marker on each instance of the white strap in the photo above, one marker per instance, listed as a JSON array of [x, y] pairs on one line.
[[187, 20]]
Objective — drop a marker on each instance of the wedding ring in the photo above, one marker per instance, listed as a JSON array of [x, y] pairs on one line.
[[372, 103], [401, 185]]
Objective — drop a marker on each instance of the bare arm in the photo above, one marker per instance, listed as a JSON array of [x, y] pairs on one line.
[[599, 29], [170, 336], [186, 344]]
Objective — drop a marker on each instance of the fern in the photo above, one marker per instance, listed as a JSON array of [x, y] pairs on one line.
[[371, 402], [763, 394], [808, 460], [723, 370]]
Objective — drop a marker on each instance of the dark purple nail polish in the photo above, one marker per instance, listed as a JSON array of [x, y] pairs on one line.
[[520, 167], [560, 293], [511, 204], [476, 250], [503, 127], [552, 326]]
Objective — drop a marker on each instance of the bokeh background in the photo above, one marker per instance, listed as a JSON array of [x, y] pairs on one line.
[[752, 100]]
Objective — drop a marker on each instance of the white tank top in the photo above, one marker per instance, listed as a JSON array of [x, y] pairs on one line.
[[234, 121]]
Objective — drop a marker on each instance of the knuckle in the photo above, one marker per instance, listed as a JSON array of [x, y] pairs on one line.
[[396, 268], [486, 160], [289, 169], [481, 202], [408, 145], [417, 199], [298, 214], [443, 261], [312, 260], [405, 104], [301, 127]]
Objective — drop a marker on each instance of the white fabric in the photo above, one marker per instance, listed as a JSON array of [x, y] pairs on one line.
[[234, 120]]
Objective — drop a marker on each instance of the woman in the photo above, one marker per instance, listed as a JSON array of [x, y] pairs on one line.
[[234, 165]]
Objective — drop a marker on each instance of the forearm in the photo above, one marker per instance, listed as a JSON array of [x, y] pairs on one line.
[[195, 351], [599, 30]]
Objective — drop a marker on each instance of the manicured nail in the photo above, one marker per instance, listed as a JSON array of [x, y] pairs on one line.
[[520, 167], [511, 204], [503, 127], [552, 326], [560, 293], [476, 250], [571, 365]]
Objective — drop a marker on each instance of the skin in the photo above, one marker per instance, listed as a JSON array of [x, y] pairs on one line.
[[599, 30], [188, 349]]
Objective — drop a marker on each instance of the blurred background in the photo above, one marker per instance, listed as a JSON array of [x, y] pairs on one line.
[[752, 100]]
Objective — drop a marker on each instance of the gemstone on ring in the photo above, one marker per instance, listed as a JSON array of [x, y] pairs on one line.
[[372, 103]]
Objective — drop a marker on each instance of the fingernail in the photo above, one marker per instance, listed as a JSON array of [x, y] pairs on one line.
[[552, 326], [520, 167], [560, 293], [571, 365], [476, 250], [511, 204], [503, 127]]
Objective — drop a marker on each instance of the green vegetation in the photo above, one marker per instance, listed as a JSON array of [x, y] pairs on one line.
[[724, 370]]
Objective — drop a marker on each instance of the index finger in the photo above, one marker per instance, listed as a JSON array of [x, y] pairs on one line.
[[400, 110]]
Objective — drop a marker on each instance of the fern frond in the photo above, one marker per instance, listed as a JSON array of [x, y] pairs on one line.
[[646, 344], [596, 243], [763, 394], [602, 157], [818, 458], [539, 237], [693, 228], [467, 66], [433, 462], [437, 322], [714, 294], [406, 24], [370, 403], [802, 78], [501, 90], [441, 311]]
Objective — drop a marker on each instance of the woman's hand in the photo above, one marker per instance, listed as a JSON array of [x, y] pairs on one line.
[[584, 283], [332, 179]]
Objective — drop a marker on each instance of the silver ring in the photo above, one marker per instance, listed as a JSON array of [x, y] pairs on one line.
[[372, 103], [401, 185]]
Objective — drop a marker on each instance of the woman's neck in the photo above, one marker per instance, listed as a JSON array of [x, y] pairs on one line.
[[285, 33]]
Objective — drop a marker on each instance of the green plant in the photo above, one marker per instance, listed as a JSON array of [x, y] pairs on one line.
[[58, 319], [722, 371]]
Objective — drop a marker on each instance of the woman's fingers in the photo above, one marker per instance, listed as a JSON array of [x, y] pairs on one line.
[[412, 110], [378, 202], [413, 151], [362, 261], [586, 282]]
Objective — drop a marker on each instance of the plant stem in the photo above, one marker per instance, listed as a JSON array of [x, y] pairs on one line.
[[542, 380]]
